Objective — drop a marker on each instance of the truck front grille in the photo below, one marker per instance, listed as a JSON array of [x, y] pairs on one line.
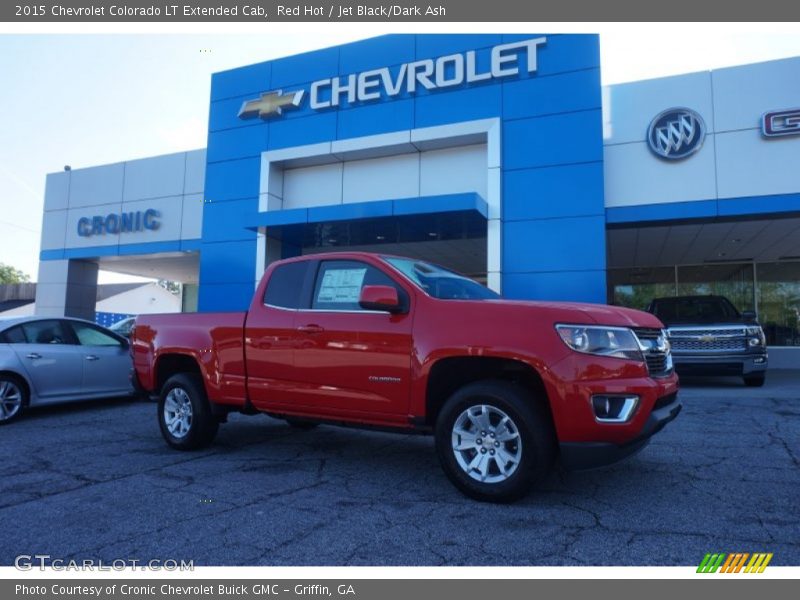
[[718, 345], [656, 352], [701, 340]]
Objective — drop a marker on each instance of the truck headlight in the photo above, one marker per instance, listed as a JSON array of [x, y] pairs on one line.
[[755, 336], [616, 342]]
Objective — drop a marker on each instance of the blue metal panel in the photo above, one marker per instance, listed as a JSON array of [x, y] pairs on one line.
[[547, 192], [241, 81], [545, 141], [241, 142], [220, 297], [568, 52], [438, 108], [147, 248], [226, 221], [303, 68], [565, 244], [228, 262], [440, 204], [224, 114], [376, 53], [434, 46], [289, 216], [578, 90], [757, 205], [232, 180], [107, 319], [347, 212], [374, 118], [659, 212], [299, 132], [575, 286], [91, 252], [51, 255]]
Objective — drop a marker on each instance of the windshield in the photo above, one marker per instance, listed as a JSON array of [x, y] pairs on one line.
[[441, 283], [702, 309]]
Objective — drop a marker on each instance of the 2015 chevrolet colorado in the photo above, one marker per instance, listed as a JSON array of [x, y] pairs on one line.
[[506, 387]]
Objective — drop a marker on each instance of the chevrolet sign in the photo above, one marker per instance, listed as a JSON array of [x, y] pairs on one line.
[[453, 70]]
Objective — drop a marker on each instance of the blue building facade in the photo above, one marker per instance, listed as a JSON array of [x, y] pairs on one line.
[[549, 172]]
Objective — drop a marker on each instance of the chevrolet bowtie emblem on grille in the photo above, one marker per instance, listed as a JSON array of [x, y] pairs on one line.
[[270, 104], [707, 339]]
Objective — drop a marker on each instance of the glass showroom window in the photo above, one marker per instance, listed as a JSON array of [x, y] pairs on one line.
[[636, 287], [734, 281], [778, 292]]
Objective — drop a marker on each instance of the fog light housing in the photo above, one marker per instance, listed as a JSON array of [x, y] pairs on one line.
[[609, 408]]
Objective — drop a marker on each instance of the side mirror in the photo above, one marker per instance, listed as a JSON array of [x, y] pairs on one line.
[[749, 316], [380, 297]]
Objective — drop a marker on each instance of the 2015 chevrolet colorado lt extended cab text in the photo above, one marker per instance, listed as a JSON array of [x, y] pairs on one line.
[[507, 387]]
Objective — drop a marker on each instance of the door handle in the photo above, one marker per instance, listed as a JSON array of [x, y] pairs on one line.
[[92, 357], [310, 329], [33, 355]]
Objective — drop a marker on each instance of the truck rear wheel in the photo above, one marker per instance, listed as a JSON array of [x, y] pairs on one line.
[[494, 441], [184, 414]]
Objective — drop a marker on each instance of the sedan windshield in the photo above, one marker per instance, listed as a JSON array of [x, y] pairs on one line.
[[441, 283]]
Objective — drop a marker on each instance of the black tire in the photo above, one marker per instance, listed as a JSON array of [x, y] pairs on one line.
[[300, 424], [755, 380], [14, 398], [529, 416], [202, 424]]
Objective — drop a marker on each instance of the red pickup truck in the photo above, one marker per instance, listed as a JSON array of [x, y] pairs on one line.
[[507, 387]]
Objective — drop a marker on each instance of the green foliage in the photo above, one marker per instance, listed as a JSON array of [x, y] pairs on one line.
[[9, 274]]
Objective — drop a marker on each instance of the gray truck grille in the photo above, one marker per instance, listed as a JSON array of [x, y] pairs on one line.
[[700, 340], [681, 345]]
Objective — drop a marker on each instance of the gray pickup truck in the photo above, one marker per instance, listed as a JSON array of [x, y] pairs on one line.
[[710, 337]]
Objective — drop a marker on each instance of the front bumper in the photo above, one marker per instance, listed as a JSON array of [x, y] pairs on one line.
[[720, 364], [590, 455]]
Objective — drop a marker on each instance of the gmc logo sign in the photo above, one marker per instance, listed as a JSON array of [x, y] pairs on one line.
[[781, 122]]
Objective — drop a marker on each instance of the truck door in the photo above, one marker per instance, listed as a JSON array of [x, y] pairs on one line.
[[350, 361], [270, 336]]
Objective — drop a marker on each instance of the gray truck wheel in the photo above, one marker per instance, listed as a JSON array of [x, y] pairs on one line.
[[184, 414], [494, 441]]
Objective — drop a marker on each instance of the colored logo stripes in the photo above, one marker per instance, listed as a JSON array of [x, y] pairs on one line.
[[735, 562]]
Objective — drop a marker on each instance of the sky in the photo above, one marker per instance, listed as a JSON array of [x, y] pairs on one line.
[[90, 99]]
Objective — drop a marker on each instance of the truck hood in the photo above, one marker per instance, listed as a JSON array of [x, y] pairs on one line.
[[581, 313]]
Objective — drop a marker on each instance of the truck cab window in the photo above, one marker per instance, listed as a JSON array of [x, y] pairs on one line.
[[286, 285], [339, 284]]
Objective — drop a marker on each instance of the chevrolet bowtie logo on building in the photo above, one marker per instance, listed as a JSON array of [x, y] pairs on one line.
[[735, 562], [676, 133], [270, 104], [504, 60]]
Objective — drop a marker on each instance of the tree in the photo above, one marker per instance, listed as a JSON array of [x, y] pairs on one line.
[[9, 274], [171, 286]]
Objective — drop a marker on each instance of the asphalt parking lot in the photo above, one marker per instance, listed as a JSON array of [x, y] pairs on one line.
[[96, 481]]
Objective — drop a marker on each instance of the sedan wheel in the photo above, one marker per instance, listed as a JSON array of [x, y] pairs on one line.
[[12, 399]]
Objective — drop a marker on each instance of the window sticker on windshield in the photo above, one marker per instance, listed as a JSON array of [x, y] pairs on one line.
[[341, 285]]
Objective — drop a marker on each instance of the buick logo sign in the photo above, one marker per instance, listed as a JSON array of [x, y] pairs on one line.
[[676, 133]]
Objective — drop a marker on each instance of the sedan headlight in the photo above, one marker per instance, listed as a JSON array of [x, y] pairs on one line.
[[617, 342]]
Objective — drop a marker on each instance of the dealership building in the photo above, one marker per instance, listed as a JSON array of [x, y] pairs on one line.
[[500, 156]]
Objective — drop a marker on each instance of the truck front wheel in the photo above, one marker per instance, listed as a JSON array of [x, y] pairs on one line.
[[494, 441], [184, 414]]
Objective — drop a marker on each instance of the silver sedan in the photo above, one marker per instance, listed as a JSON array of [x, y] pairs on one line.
[[47, 360]]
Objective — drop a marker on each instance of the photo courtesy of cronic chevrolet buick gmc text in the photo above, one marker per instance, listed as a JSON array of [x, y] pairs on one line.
[[507, 387], [710, 337]]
